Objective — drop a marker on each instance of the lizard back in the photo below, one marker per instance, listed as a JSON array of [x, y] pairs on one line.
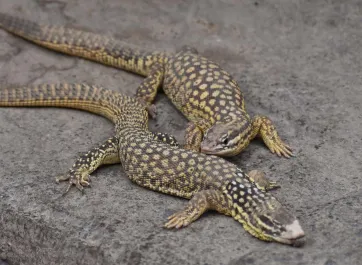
[[201, 89]]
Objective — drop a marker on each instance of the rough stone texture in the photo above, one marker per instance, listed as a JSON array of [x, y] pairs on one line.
[[297, 61]]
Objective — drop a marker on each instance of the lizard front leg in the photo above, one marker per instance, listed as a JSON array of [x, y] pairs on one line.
[[193, 137], [200, 203], [147, 91], [264, 127], [261, 181], [79, 174], [104, 154]]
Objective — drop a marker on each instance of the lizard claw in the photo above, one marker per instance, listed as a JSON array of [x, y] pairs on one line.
[[75, 178], [280, 148], [271, 138], [178, 220], [152, 111], [151, 108]]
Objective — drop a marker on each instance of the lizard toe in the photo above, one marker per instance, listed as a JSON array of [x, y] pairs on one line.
[[177, 220]]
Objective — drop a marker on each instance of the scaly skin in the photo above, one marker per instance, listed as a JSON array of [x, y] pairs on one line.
[[210, 182], [207, 95]]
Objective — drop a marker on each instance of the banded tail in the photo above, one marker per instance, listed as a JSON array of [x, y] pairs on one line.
[[84, 44], [104, 102]]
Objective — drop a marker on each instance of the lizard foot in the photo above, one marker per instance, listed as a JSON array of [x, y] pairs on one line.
[[271, 138], [179, 220], [259, 178], [277, 146], [152, 111], [151, 108], [74, 178]]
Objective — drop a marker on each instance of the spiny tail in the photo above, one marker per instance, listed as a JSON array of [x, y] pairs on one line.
[[93, 99], [84, 44]]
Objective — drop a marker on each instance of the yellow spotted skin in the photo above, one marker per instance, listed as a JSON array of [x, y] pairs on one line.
[[154, 161], [206, 94]]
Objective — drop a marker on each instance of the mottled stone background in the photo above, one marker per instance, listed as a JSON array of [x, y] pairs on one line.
[[299, 62]]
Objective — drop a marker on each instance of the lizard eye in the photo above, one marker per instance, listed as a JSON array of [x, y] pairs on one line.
[[225, 140]]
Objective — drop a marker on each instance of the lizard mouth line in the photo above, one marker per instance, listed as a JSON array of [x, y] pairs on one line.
[[209, 151], [295, 242]]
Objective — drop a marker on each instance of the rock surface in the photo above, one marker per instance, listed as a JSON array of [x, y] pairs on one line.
[[299, 62]]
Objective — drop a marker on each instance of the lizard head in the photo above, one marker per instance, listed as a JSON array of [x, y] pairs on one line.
[[261, 214], [227, 137]]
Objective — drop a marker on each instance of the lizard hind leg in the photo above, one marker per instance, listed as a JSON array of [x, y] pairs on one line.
[[264, 127], [199, 204]]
